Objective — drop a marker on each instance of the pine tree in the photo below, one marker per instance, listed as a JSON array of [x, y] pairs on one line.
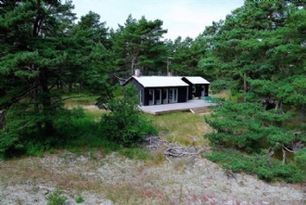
[[138, 44]]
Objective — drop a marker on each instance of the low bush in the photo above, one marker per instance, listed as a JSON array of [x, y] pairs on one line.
[[71, 128], [124, 124], [265, 169], [79, 199], [300, 159], [56, 198]]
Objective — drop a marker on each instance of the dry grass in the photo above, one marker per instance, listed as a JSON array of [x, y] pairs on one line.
[[48, 170], [225, 94], [77, 99], [182, 127], [86, 102]]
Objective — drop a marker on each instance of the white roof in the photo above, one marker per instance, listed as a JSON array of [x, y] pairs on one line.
[[160, 81], [196, 80]]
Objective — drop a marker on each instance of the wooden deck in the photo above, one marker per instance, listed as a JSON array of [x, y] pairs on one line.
[[166, 108]]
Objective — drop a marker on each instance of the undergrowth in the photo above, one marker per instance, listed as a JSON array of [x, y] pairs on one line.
[[268, 170], [75, 131]]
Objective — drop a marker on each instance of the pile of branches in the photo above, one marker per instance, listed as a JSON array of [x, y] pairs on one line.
[[174, 150], [171, 149]]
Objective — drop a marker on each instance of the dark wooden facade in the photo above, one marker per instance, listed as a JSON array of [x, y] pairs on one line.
[[160, 95], [196, 90]]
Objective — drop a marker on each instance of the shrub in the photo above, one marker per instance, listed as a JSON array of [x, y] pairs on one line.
[[257, 164], [124, 124], [22, 135], [79, 199], [20, 130], [56, 198], [300, 159]]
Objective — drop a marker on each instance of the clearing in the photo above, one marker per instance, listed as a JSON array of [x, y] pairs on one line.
[[101, 178]]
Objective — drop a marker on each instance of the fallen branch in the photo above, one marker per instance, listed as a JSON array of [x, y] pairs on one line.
[[181, 152]]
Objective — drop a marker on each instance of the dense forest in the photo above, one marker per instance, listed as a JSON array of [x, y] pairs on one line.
[[258, 53]]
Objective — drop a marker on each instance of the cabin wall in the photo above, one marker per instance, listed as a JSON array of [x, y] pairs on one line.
[[189, 88], [198, 89], [140, 91], [206, 89], [181, 95]]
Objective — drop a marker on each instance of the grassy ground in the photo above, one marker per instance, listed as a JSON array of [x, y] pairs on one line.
[[79, 99], [182, 127], [86, 102]]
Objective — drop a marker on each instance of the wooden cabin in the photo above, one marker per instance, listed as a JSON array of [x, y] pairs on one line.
[[157, 90]]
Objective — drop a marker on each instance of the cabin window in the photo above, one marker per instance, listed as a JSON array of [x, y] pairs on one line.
[[173, 95]]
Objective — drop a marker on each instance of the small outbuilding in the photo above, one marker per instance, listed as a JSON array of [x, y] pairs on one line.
[[198, 86], [157, 90]]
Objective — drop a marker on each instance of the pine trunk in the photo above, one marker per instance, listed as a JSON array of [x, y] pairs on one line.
[[46, 102], [2, 119]]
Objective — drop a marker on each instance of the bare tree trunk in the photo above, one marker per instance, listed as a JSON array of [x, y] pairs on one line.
[[284, 156], [46, 101], [133, 65], [2, 119], [269, 156], [279, 106]]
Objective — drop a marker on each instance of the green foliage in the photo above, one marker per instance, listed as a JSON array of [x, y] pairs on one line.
[[218, 85], [259, 165], [124, 123], [137, 44], [21, 135], [79, 199], [300, 159], [56, 198], [248, 127], [258, 135], [184, 55], [44, 51]]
